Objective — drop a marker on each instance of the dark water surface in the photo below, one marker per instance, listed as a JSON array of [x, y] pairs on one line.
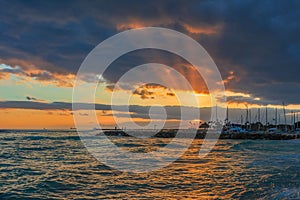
[[55, 165]]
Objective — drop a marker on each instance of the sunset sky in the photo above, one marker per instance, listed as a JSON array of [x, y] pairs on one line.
[[255, 45]]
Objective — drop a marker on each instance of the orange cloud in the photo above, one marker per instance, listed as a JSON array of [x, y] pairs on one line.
[[132, 23], [150, 91], [192, 75], [231, 76], [203, 30], [33, 63], [28, 72]]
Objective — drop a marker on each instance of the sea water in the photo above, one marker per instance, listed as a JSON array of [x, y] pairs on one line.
[[56, 165]]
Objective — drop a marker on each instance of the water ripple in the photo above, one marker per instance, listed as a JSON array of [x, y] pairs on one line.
[[55, 165]]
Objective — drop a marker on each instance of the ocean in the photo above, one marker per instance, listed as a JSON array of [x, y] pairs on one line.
[[56, 165]]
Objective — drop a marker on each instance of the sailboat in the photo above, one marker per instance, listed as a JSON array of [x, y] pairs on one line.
[[229, 128]]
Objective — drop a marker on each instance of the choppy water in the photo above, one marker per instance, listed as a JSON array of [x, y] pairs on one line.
[[55, 165]]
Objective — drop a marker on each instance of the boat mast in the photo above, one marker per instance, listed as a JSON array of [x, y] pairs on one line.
[[226, 120], [297, 121], [247, 117], [250, 115], [216, 113], [285, 127], [292, 118], [294, 125], [276, 117], [247, 114], [258, 114], [266, 115]]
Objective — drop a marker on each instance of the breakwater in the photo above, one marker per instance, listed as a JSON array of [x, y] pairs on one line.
[[171, 133]]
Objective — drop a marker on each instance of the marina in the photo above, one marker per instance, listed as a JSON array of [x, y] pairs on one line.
[[227, 129]]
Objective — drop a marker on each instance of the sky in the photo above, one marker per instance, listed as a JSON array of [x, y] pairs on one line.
[[255, 45]]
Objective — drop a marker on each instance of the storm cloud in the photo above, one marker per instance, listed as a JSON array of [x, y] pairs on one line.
[[257, 40]]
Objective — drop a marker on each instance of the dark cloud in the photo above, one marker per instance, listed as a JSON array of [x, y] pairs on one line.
[[251, 100], [144, 94], [256, 43], [29, 98], [138, 57], [83, 114], [172, 112], [42, 75], [151, 90], [258, 40], [35, 105]]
